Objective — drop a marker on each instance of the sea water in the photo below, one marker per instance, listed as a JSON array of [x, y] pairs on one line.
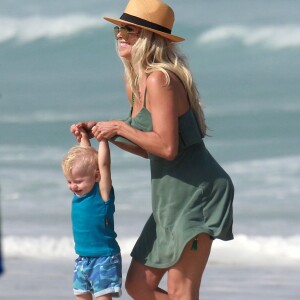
[[58, 65]]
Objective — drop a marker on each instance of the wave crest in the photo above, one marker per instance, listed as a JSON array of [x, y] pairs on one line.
[[29, 29], [274, 37], [258, 250], [243, 250]]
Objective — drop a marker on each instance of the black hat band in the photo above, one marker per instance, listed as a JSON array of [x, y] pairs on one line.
[[144, 23]]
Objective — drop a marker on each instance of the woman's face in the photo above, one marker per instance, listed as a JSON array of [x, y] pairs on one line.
[[126, 37]]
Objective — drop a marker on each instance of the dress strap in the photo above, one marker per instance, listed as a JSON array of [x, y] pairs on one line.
[[132, 102], [145, 97]]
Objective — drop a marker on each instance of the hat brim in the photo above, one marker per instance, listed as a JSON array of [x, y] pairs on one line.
[[173, 38]]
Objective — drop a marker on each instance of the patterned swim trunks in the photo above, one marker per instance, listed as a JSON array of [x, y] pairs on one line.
[[98, 275]]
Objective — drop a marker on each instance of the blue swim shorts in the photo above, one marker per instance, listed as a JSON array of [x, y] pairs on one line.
[[98, 275]]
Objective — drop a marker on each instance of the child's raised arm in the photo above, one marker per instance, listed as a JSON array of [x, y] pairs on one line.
[[85, 141], [105, 183]]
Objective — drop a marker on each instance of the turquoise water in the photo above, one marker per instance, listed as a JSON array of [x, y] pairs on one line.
[[58, 66]]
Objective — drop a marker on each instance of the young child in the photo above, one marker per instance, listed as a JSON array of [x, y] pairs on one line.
[[98, 268]]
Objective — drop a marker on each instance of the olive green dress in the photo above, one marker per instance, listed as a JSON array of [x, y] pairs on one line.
[[191, 194]]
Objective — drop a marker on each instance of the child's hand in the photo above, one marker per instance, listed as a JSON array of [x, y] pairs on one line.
[[106, 130], [83, 133], [83, 137], [75, 129]]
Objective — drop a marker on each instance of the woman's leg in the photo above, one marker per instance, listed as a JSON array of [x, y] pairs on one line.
[[184, 278], [142, 282]]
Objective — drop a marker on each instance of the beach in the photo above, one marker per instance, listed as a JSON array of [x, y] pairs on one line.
[[53, 280], [59, 66]]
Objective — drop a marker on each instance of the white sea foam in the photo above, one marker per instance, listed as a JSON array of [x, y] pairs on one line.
[[47, 116], [273, 37], [272, 170], [19, 154], [258, 250], [48, 247], [277, 177], [38, 117], [243, 250], [29, 29], [36, 27]]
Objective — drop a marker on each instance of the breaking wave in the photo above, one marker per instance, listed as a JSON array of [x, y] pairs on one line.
[[273, 37], [29, 29], [243, 250]]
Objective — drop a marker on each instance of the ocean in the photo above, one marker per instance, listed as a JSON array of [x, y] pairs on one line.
[[58, 65]]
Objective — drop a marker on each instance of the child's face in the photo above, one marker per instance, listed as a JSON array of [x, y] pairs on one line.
[[80, 182]]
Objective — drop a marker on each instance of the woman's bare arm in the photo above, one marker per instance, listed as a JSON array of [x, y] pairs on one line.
[[163, 140]]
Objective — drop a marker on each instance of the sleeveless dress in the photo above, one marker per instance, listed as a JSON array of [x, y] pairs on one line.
[[191, 194]]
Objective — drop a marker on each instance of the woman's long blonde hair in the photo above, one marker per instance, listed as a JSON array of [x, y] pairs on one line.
[[152, 52]]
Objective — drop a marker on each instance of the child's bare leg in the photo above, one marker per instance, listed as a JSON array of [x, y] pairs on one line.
[[86, 296], [105, 297]]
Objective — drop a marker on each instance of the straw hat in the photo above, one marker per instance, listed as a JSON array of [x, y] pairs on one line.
[[152, 15]]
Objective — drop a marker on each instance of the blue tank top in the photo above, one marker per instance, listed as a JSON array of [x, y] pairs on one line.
[[93, 224]]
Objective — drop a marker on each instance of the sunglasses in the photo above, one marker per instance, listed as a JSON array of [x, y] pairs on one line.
[[125, 31]]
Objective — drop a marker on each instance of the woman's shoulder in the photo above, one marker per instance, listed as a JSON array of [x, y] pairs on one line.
[[156, 77], [162, 79]]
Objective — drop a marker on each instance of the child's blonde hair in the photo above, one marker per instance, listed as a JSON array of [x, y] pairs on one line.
[[85, 155]]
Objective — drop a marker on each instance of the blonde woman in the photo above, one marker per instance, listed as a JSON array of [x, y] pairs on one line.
[[191, 194]]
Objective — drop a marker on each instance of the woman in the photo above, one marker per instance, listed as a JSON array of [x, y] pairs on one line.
[[191, 194]]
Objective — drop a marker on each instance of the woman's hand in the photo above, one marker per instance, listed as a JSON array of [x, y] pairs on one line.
[[77, 128], [106, 129]]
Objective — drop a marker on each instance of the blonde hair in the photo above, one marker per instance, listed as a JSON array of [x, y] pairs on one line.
[[151, 53], [86, 156]]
